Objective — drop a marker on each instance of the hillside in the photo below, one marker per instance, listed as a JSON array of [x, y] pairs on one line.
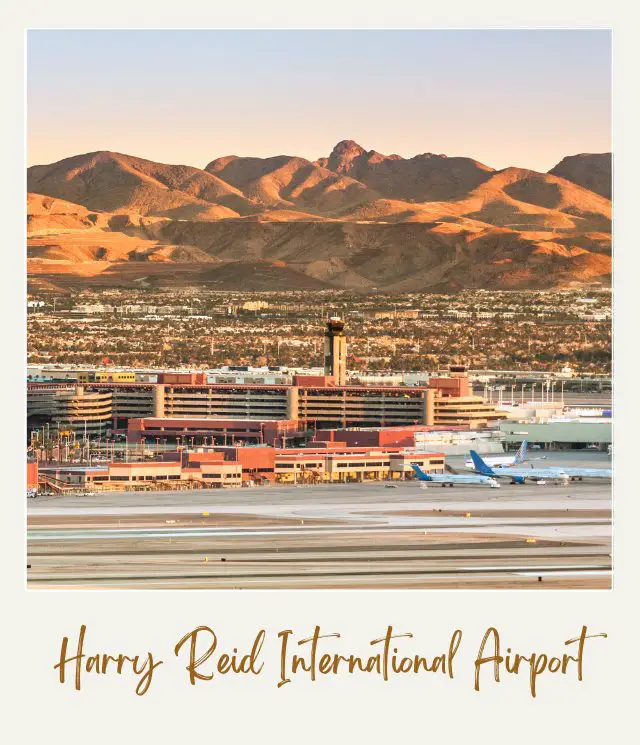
[[121, 183], [423, 178], [354, 219], [46, 214], [289, 182], [591, 170]]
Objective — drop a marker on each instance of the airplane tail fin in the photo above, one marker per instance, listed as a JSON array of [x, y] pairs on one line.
[[522, 452], [480, 465], [420, 473]]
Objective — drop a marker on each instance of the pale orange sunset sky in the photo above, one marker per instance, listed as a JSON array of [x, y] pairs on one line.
[[524, 98]]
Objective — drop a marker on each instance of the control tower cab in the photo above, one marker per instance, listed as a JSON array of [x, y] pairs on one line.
[[335, 351]]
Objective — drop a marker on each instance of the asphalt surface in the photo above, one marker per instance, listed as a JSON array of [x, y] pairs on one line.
[[330, 536]]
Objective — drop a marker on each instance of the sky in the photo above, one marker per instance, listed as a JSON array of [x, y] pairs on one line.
[[505, 98]]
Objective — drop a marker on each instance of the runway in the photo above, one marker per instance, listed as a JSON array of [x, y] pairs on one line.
[[327, 536]]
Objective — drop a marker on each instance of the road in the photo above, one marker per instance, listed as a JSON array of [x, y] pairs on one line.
[[328, 536]]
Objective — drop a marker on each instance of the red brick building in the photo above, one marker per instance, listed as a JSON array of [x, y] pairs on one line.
[[193, 430]]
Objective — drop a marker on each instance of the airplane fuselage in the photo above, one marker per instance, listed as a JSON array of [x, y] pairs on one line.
[[456, 479], [587, 473], [519, 475], [493, 462], [451, 479]]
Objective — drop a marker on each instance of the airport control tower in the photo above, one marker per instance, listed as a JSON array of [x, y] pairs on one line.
[[335, 351]]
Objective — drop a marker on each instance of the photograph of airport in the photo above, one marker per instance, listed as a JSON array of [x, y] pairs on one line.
[[264, 355]]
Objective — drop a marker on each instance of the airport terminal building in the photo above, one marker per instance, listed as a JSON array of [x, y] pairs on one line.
[[223, 467], [98, 408], [104, 402]]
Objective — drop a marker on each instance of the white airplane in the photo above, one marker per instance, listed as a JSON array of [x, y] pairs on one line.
[[503, 460], [577, 474], [449, 479], [519, 475]]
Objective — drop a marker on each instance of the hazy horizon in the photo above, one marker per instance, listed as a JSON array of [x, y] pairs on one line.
[[506, 98]]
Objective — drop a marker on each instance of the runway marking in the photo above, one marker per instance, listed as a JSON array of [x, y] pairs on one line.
[[558, 573], [72, 534], [349, 572]]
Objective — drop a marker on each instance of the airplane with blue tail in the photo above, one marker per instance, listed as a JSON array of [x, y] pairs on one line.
[[499, 461], [453, 479], [518, 475]]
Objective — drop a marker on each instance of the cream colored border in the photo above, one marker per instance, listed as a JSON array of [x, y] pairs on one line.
[[346, 709]]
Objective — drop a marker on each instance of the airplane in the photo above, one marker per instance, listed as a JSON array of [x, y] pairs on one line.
[[519, 475], [449, 479], [504, 460], [577, 474]]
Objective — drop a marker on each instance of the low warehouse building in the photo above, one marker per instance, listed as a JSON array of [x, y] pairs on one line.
[[157, 475], [575, 433]]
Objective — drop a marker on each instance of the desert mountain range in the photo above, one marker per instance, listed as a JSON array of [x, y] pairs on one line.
[[356, 219]]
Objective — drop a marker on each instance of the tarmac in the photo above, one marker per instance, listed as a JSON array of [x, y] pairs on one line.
[[331, 536]]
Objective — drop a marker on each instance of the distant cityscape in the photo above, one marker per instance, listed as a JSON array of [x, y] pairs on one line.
[[199, 329]]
